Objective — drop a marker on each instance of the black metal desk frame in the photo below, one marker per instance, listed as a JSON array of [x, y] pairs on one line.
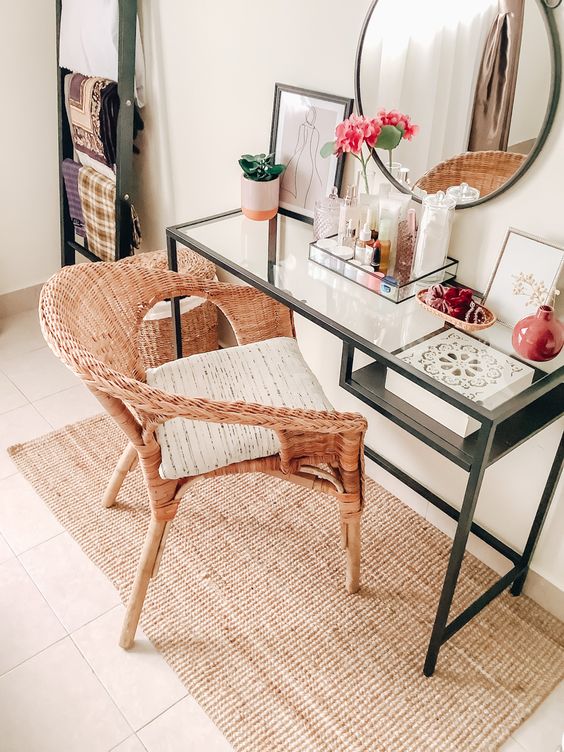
[[501, 430]]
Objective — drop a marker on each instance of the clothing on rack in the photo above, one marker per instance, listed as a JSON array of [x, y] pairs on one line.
[[70, 176], [88, 42], [98, 198], [92, 106], [108, 122], [83, 158], [85, 104]]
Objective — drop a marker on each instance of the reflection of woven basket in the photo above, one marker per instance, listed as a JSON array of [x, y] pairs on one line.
[[199, 319], [485, 170]]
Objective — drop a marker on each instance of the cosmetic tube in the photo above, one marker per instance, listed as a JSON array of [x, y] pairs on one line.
[[385, 245], [389, 215]]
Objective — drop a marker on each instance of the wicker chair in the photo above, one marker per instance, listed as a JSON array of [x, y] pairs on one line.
[[485, 170], [91, 316]]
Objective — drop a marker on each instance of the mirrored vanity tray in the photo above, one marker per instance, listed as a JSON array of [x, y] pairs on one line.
[[388, 287]]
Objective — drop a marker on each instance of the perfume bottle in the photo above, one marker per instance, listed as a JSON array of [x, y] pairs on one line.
[[349, 210]]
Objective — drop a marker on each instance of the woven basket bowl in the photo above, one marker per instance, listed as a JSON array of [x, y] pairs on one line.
[[199, 325], [485, 170], [464, 326]]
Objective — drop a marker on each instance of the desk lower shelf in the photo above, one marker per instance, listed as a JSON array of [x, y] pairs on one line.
[[368, 384]]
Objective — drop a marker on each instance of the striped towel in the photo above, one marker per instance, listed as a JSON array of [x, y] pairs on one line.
[[98, 198], [70, 176]]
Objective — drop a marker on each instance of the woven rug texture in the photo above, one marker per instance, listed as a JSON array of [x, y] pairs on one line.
[[250, 610]]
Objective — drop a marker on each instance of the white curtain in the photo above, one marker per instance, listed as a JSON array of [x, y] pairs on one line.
[[423, 59]]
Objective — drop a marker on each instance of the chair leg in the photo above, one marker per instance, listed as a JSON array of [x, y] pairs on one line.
[[125, 463], [149, 558], [353, 555]]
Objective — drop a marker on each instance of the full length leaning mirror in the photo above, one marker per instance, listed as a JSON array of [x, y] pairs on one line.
[[481, 79]]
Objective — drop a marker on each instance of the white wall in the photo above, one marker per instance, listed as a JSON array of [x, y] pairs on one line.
[[212, 69], [29, 199]]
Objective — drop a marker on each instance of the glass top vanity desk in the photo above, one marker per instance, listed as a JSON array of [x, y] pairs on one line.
[[274, 257], [482, 81]]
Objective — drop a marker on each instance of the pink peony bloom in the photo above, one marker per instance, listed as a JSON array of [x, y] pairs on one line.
[[353, 133], [410, 130]]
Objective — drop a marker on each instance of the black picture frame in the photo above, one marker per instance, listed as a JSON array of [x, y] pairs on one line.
[[343, 107]]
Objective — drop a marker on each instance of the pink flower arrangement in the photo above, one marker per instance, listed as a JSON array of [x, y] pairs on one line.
[[354, 132], [397, 119], [384, 131]]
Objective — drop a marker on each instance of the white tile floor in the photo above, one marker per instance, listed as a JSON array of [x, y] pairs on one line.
[[60, 665]]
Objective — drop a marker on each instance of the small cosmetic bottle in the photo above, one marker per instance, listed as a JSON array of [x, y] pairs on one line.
[[375, 262], [345, 249], [363, 246], [344, 212], [350, 234]]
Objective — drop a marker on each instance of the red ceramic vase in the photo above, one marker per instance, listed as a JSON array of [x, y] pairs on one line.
[[540, 336]]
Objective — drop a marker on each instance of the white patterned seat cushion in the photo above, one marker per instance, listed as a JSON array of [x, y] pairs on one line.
[[272, 372]]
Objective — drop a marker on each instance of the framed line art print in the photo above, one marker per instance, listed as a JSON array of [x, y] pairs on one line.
[[524, 278], [302, 121]]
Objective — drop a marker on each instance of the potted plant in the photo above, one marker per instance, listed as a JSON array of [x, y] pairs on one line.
[[260, 185]]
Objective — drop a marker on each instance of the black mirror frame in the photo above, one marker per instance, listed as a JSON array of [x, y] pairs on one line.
[[546, 7]]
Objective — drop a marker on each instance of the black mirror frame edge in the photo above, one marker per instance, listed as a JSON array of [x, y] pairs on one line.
[[555, 84]]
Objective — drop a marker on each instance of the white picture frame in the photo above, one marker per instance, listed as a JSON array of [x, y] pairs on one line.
[[525, 275], [302, 122]]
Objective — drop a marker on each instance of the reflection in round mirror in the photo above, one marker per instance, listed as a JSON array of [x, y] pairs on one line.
[[480, 79]]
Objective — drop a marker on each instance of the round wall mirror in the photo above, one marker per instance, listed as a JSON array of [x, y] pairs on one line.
[[480, 79]]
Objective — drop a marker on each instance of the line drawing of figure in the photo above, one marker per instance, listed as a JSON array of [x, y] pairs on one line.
[[301, 174]]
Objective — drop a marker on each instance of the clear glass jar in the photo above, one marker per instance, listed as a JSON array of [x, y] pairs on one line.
[[463, 193], [434, 233], [326, 216]]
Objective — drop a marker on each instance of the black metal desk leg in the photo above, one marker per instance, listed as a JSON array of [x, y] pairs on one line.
[[459, 546], [175, 302], [540, 517]]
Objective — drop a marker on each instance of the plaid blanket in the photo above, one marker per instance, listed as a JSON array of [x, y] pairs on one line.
[[98, 198], [70, 176]]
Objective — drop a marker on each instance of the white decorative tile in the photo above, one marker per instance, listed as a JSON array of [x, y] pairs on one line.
[[38, 373], [183, 728], [25, 519], [469, 367], [511, 746], [54, 703], [76, 590], [68, 406], [20, 333], [139, 680], [544, 730], [10, 395], [130, 745], [27, 624], [17, 426], [5, 550]]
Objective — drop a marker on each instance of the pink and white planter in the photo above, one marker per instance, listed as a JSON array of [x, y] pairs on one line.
[[259, 199]]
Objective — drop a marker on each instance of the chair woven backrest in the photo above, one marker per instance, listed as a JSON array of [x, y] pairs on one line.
[[485, 170], [94, 311]]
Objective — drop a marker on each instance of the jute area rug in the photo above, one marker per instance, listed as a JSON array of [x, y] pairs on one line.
[[250, 610]]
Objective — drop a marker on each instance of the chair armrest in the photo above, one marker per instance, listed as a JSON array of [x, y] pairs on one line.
[[155, 406]]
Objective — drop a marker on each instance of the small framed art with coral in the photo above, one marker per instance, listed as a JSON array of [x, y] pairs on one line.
[[525, 276]]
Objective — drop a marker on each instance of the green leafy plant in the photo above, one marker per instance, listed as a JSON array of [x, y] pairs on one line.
[[260, 167]]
